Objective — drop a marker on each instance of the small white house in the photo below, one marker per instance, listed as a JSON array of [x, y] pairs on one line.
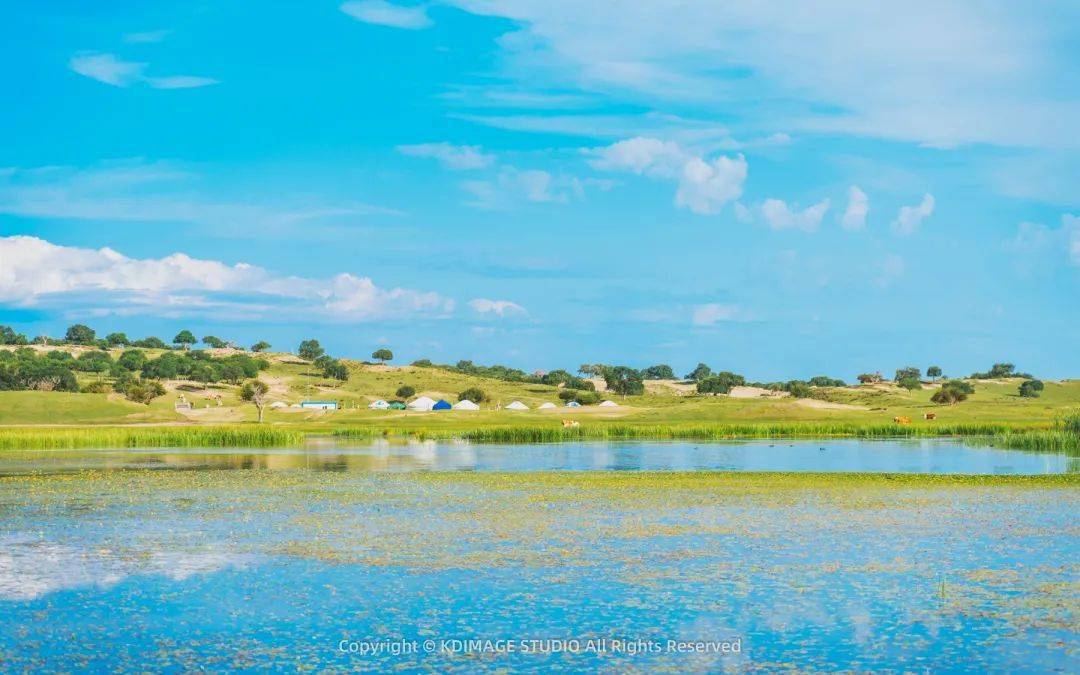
[[319, 405], [517, 405], [466, 405], [609, 404], [379, 405], [546, 406], [422, 403]]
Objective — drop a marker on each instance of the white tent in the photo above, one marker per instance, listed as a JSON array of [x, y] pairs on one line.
[[422, 403], [517, 405], [547, 405], [466, 405], [573, 404], [379, 405], [279, 404], [609, 404]]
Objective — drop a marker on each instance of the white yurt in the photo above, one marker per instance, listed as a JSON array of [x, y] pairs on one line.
[[573, 404], [546, 406], [609, 404], [517, 405], [466, 405], [279, 404], [379, 405], [422, 403]]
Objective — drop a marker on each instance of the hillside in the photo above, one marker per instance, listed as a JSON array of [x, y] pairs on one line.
[[292, 380]]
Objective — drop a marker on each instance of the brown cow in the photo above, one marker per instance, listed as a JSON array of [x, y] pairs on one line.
[[900, 419], [929, 416], [570, 423]]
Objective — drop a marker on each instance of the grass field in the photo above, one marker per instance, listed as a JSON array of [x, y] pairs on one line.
[[994, 409]]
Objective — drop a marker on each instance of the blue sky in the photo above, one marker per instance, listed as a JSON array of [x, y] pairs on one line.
[[773, 188]]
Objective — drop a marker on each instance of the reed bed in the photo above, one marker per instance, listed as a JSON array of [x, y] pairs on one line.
[[158, 437], [553, 434]]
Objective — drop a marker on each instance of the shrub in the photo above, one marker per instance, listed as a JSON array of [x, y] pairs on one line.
[[144, 391], [720, 383], [823, 381], [1031, 388], [405, 391], [474, 394], [98, 387], [953, 391]]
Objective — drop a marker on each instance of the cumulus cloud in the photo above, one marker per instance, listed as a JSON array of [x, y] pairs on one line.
[[500, 308], [1038, 239], [512, 186], [109, 69], [35, 272], [910, 218], [458, 157], [704, 185], [854, 218], [387, 14], [780, 216]]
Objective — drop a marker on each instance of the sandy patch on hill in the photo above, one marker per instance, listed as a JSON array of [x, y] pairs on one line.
[[678, 387], [755, 392]]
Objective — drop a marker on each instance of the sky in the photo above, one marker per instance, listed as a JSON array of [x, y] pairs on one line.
[[782, 189]]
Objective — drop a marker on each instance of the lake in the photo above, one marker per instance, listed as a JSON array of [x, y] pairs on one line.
[[610, 557]]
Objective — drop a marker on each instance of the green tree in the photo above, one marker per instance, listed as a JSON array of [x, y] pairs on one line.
[[255, 391], [214, 342], [720, 383], [405, 391], [952, 392], [80, 334], [658, 372], [910, 372], [117, 340], [1031, 388], [336, 370], [624, 380], [185, 339], [870, 378], [8, 336], [132, 360], [150, 343], [260, 346], [933, 372], [382, 355], [910, 383], [310, 350], [474, 394], [701, 372]]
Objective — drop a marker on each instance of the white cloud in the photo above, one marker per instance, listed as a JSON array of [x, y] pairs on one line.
[[512, 186], [704, 185], [910, 218], [854, 218], [458, 157], [34, 271], [713, 313], [498, 307], [780, 216], [111, 70], [1038, 239], [132, 190], [387, 14], [932, 73]]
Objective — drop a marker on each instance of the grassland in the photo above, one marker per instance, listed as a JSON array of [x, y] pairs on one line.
[[71, 420]]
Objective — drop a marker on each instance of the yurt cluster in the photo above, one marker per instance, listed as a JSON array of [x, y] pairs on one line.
[[426, 404]]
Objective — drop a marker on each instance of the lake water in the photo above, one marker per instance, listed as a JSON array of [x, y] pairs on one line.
[[860, 456], [253, 561]]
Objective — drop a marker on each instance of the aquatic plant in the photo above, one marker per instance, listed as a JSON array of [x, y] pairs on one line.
[[160, 437]]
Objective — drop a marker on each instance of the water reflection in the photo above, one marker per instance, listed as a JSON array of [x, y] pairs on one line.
[[326, 454]]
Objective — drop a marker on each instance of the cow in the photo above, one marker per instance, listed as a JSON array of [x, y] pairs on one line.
[[929, 416], [567, 424], [900, 419]]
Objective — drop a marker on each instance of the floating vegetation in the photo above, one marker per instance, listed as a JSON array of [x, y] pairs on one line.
[[148, 437]]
